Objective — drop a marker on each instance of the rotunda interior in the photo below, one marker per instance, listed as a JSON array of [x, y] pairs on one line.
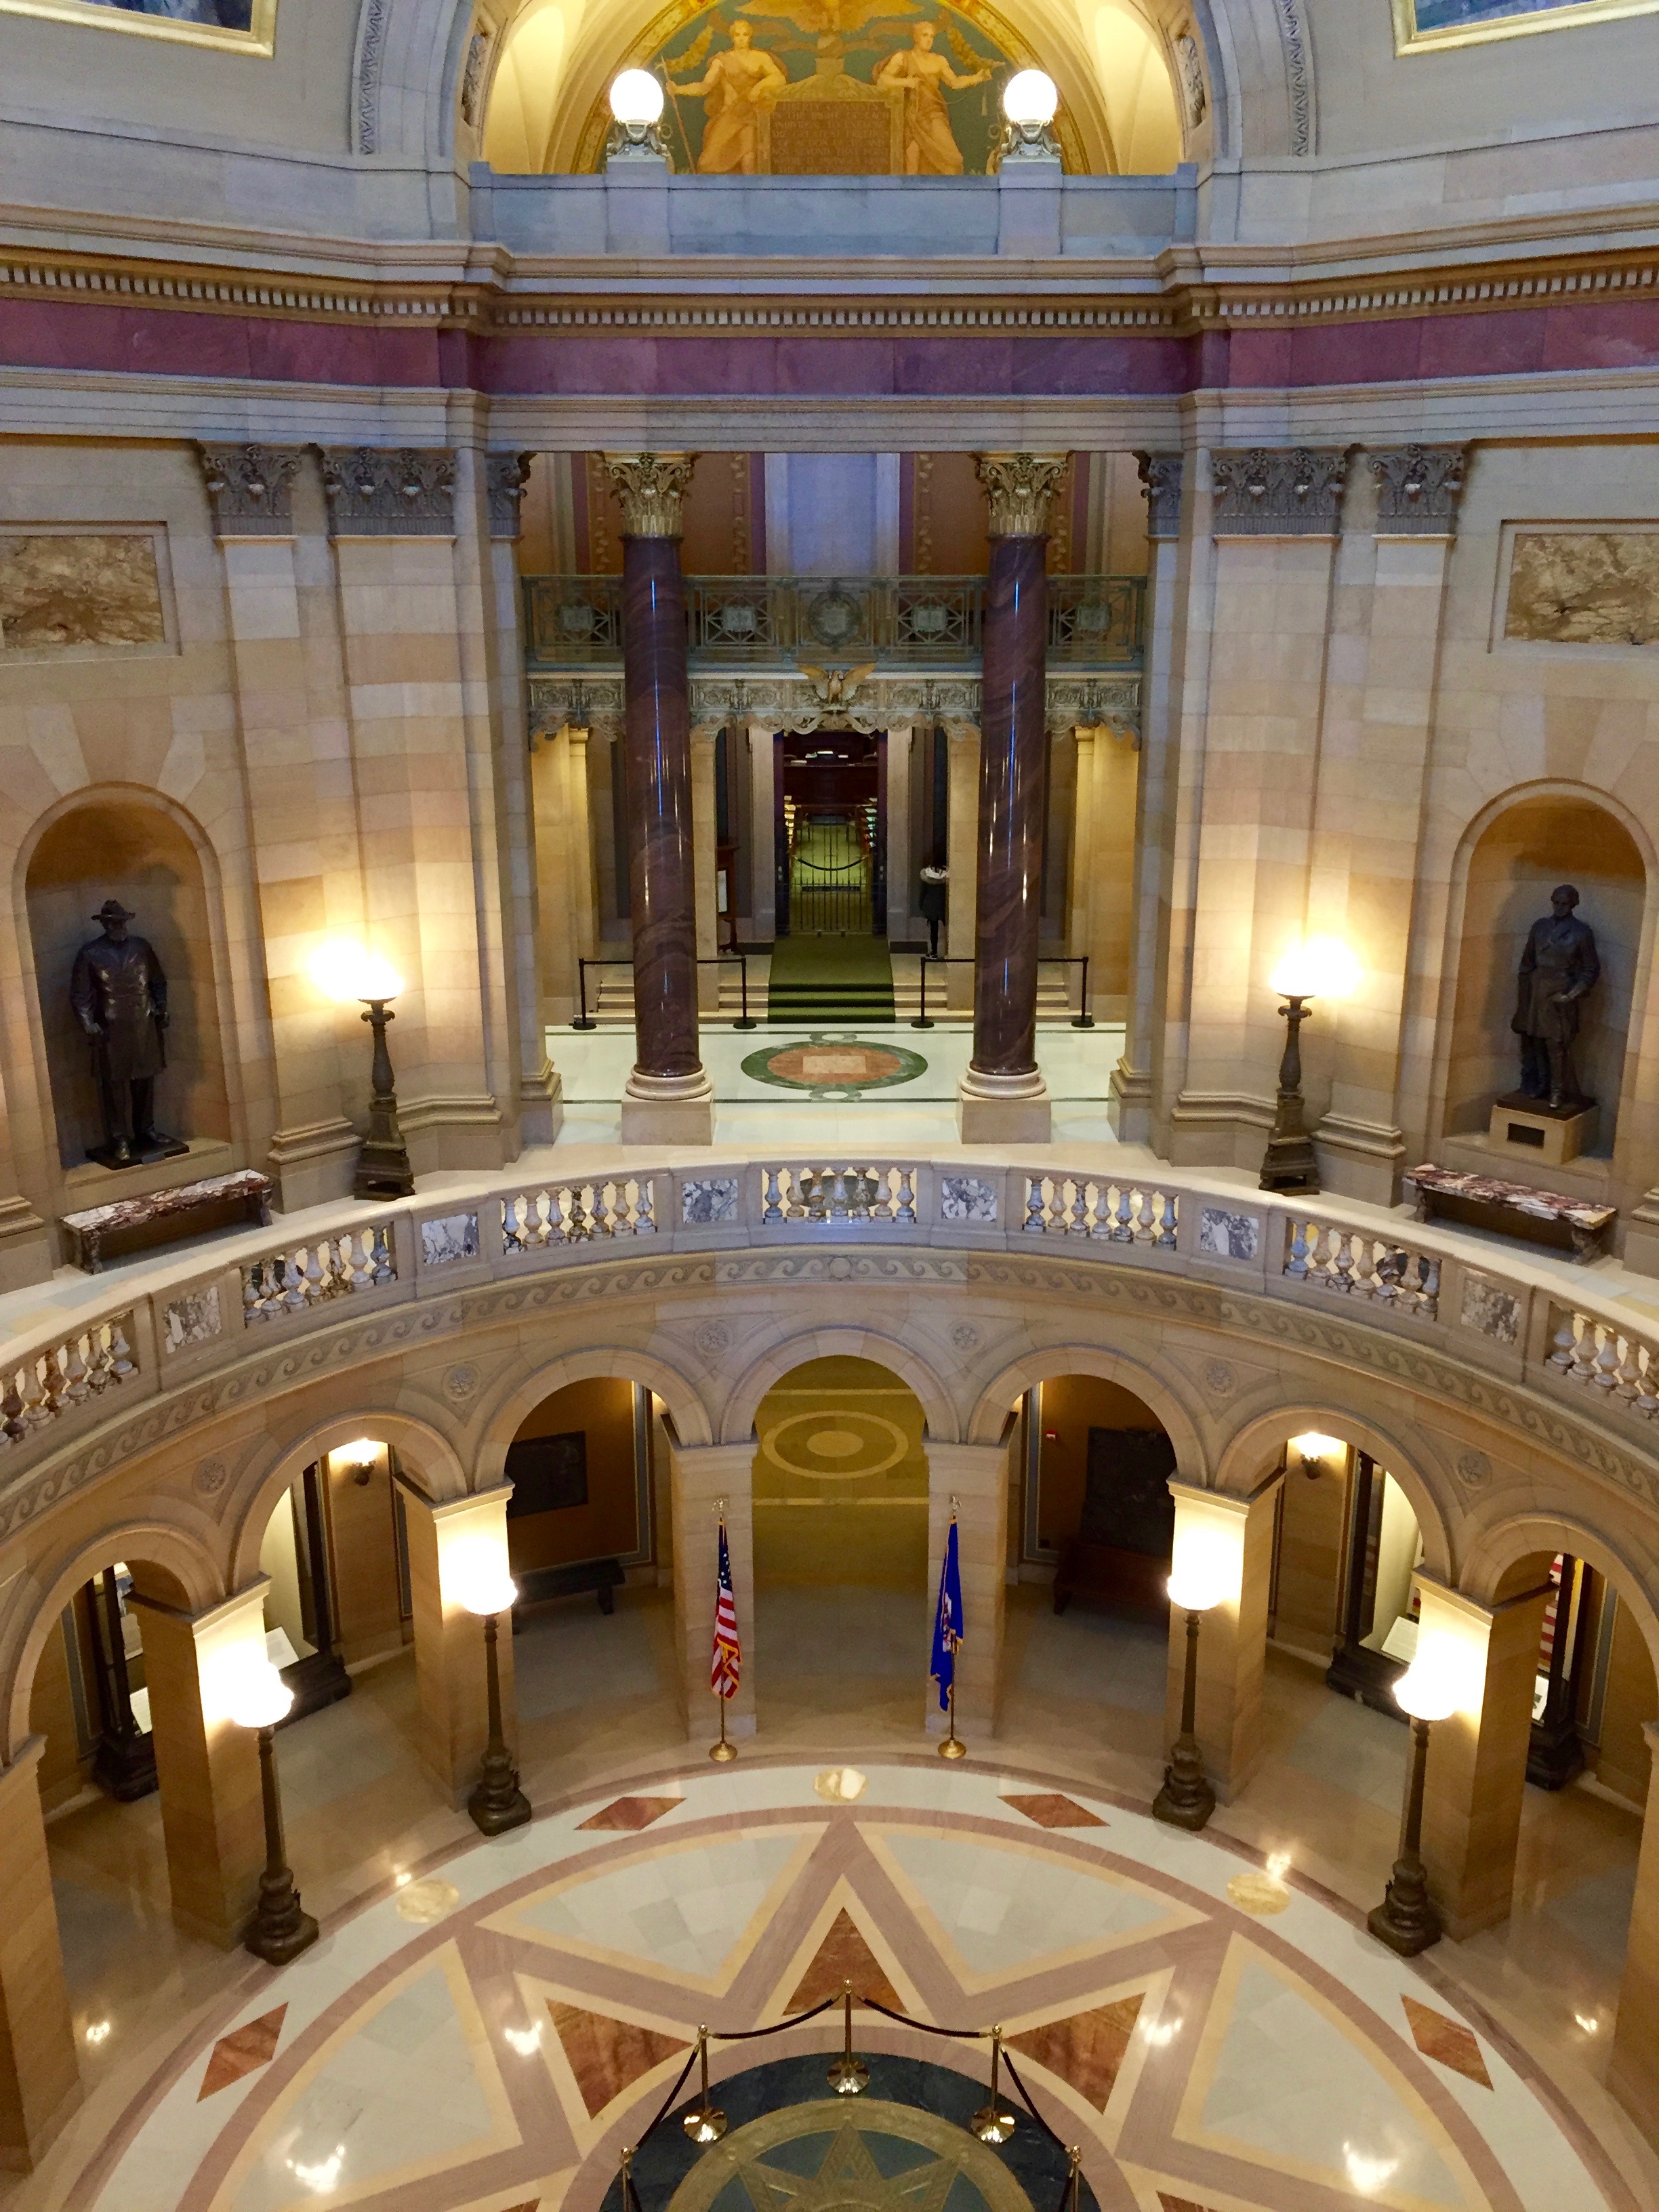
[[1055, 601]]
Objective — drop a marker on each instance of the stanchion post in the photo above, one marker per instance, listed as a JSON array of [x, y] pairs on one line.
[[582, 1021]]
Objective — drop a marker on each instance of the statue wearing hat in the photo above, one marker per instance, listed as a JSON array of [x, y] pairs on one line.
[[118, 990]]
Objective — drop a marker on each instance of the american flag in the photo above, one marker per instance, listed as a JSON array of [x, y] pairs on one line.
[[728, 1652]]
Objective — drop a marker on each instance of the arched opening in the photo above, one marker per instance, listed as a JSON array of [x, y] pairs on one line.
[[841, 1549], [594, 1652], [1088, 1624], [1518, 860], [126, 848]]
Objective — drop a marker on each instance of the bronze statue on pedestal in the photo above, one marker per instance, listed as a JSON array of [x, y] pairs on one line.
[[118, 990], [1559, 970]]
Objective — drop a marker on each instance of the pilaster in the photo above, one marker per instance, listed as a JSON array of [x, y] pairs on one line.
[[39, 2080], [449, 1641], [972, 1481], [701, 1477], [1232, 1643]]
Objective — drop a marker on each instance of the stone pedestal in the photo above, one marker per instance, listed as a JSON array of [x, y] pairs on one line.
[[668, 1098], [1003, 1097], [1527, 1129]]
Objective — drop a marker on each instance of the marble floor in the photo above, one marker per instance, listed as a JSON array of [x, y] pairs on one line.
[[1083, 1712]]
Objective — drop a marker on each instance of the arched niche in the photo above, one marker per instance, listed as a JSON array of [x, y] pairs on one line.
[[1543, 839], [123, 847]]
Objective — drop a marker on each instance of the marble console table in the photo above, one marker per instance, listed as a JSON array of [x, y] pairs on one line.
[[1549, 1217], [132, 1222]]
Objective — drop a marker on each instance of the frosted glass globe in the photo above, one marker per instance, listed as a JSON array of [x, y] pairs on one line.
[[1030, 96], [635, 97]]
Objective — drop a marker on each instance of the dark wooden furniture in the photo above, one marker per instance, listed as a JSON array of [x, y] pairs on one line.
[[604, 1576], [1121, 1554]]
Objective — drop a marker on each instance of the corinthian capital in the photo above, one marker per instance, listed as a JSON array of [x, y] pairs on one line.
[[251, 488], [649, 489], [1019, 488], [1417, 489]]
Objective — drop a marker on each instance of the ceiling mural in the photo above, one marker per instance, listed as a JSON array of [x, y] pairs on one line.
[[1422, 25], [247, 25], [830, 88]]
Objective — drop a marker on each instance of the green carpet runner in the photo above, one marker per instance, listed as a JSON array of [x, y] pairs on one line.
[[841, 982]]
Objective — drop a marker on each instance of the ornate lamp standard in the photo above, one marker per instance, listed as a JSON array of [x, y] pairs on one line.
[[261, 1699], [1322, 966], [1405, 1920], [344, 972], [477, 1577], [1200, 1581]]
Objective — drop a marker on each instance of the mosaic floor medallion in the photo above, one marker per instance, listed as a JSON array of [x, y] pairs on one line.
[[831, 1065]]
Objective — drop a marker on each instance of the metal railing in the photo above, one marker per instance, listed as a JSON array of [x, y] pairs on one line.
[[899, 622], [1083, 1019], [738, 960]]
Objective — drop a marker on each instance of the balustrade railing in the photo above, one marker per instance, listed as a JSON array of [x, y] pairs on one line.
[[576, 1212], [1123, 1214], [291, 1282], [34, 1391], [1362, 1265], [1622, 1366], [829, 1193], [576, 622]]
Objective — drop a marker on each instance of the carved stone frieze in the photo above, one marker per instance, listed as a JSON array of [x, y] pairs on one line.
[[650, 490], [506, 475], [472, 77], [1161, 479], [1417, 488], [1277, 492], [1020, 488], [251, 488], [1190, 65], [396, 491]]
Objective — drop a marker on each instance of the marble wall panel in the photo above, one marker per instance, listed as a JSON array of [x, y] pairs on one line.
[[60, 590]]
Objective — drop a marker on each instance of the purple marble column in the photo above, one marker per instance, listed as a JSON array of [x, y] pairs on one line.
[[668, 1096], [1003, 1095]]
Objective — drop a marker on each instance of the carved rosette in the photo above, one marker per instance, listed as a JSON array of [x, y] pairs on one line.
[[251, 488], [650, 489], [1417, 488], [506, 475], [1018, 489], [405, 491], [1270, 492], [1160, 480]]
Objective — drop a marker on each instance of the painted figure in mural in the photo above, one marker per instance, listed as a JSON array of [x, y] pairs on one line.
[[118, 991], [930, 145], [222, 14], [1559, 971], [743, 78]]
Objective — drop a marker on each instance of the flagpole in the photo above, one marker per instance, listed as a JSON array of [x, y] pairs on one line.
[[953, 1747], [723, 1751], [725, 1657]]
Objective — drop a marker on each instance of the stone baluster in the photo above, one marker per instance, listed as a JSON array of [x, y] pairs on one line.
[[668, 1098], [1003, 1096]]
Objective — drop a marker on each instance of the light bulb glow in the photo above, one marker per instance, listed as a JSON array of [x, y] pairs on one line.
[[1427, 1690], [364, 1453], [1206, 1571], [1326, 1451], [1030, 97], [258, 1697], [343, 969], [475, 1575], [1317, 968], [635, 97]]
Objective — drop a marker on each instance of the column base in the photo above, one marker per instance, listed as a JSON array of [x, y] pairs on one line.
[[668, 1110], [1004, 1109]]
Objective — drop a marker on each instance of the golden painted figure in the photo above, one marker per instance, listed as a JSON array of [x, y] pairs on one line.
[[930, 145], [742, 79]]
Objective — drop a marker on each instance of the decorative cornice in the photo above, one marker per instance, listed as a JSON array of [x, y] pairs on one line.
[[1019, 490], [650, 490], [251, 488], [1160, 480], [400, 491], [1269, 492], [1417, 488], [506, 475]]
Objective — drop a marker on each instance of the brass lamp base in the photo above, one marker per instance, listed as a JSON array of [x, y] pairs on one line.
[[498, 1803], [1186, 1801], [1405, 1921], [280, 1930]]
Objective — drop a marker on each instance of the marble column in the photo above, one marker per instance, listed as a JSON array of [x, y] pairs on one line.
[[1003, 1097], [453, 1723], [1232, 1644], [668, 1099], [40, 2082]]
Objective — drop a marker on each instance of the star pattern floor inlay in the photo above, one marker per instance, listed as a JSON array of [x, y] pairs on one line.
[[1206, 2059]]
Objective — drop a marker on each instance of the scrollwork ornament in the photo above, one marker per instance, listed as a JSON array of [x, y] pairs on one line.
[[650, 490], [1020, 488]]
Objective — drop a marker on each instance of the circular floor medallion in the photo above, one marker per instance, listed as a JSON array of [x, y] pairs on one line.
[[830, 1067]]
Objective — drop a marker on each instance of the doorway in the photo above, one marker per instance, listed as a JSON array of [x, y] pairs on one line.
[[831, 835]]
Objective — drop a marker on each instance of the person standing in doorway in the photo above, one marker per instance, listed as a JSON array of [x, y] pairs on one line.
[[932, 903]]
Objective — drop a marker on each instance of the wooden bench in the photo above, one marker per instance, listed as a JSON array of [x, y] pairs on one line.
[[1515, 1209], [603, 1577], [132, 1223]]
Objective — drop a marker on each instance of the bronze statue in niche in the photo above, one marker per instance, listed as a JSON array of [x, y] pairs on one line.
[[1559, 970], [118, 990]]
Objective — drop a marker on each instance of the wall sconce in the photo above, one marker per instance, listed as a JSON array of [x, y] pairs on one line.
[[361, 1458], [1315, 1452], [474, 1575], [1318, 968], [1405, 1920], [344, 971], [258, 1698], [1207, 1571]]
